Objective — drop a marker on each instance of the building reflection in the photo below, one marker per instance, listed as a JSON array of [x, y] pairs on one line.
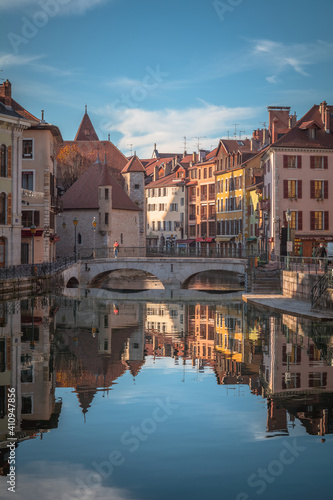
[[87, 345], [97, 342], [27, 365], [297, 375]]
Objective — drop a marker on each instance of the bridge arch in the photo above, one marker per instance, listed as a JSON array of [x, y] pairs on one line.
[[133, 278]]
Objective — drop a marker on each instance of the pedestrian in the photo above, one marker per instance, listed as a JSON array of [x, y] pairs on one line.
[[321, 253], [116, 248]]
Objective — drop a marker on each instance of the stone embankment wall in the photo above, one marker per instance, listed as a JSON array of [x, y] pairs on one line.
[[299, 285]]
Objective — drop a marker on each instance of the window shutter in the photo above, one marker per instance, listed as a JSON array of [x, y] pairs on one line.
[[285, 189], [300, 220], [285, 161], [284, 218], [325, 190], [299, 162], [312, 163], [325, 162], [326, 220], [299, 189], [9, 161], [312, 221], [312, 190], [9, 209]]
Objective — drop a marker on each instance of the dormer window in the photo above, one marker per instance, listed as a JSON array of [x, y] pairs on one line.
[[312, 133]]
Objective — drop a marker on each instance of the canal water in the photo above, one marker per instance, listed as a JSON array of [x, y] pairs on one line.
[[138, 399]]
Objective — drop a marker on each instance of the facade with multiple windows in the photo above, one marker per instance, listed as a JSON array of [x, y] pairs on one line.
[[166, 210], [12, 126], [297, 179], [39, 192]]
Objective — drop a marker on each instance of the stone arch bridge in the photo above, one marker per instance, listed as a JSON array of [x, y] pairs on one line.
[[173, 272]]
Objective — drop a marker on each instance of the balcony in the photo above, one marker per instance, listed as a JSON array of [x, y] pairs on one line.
[[192, 216]]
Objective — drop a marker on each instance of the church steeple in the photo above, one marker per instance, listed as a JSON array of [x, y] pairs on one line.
[[86, 131]]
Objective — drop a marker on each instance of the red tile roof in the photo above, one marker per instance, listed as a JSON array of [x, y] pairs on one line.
[[83, 194], [169, 180], [298, 136], [114, 157], [134, 165], [86, 131]]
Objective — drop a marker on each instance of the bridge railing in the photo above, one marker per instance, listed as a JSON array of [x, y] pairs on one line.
[[30, 270], [123, 252]]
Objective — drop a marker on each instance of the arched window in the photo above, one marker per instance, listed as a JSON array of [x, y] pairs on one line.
[[79, 239], [3, 209], [3, 171]]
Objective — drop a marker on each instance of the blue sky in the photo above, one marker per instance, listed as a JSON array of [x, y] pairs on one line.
[[152, 71]]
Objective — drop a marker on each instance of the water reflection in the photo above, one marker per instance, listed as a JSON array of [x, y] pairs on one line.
[[89, 345]]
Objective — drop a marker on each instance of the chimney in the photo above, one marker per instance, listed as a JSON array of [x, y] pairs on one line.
[[168, 167], [156, 173], [322, 109], [275, 130], [194, 157], [6, 93], [109, 137], [42, 120], [265, 136], [327, 120], [292, 120]]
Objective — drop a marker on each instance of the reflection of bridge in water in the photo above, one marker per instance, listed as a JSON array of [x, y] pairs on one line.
[[172, 272]]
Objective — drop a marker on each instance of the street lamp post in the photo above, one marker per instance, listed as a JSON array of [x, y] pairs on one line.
[[33, 232], [75, 222], [94, 223], [288, 219]]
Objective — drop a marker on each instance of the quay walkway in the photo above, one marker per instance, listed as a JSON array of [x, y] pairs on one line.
[[287, 305]]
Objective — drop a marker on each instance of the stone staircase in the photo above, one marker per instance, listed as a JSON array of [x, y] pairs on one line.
[[266, 280]]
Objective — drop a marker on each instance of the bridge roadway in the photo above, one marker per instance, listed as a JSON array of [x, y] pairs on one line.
[[173, 272]]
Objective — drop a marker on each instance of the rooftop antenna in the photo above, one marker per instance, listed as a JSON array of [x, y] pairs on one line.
[[235, 133], [184, 144], [240, 134], [263, 124], [198, 143], [228, 133], [131, 145]]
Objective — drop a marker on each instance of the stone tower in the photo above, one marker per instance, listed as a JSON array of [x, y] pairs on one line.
[[134, 176]]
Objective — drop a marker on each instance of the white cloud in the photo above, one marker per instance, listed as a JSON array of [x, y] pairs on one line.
[[281, 57], [17, 60], [167, 127], [7, 60], [66, 7], [271, 79], [57, 481]]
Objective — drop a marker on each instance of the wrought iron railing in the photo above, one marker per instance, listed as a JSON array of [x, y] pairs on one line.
[[324, 282], [30, 270]]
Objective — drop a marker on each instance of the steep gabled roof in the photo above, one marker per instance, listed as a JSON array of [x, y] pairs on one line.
[[134, 165], [298, 136], [86, 131], [233, 145], [169, 180], [83, 194]]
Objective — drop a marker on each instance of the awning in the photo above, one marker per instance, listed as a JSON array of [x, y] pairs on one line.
[[253, 238], [186, 242], [54, 238], [205, 240], [26, 233], [223, 238]]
